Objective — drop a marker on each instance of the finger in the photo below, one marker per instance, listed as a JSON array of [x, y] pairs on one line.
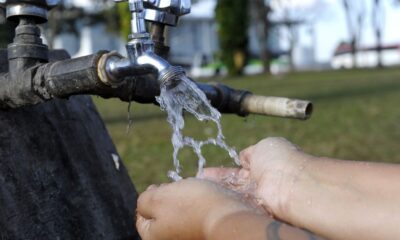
[[219, 174], [143, 227], [147, 203], [244, 174], [151, 187], [245, 157]]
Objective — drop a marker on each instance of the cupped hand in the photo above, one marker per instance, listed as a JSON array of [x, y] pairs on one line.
[[269, 171], [187, 209]]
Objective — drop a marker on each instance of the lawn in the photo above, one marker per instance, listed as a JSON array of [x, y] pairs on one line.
[[357, 116]]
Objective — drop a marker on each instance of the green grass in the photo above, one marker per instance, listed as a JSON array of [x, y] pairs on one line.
[[357, 116]]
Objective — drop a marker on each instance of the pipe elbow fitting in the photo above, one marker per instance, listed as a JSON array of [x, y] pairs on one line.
[[151, 62], [113, 68]]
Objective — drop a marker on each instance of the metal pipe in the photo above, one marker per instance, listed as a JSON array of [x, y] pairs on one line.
[[277, 106], [243, 103], [224, 98], [69, 77], [82, 76], [157, 32]]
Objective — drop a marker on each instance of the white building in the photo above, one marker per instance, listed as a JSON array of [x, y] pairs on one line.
[[193, 42], [91, 39]]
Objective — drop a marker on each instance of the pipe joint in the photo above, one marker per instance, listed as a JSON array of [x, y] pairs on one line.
[[114, 69]]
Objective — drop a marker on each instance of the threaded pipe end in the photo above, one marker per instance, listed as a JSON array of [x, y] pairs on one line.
[[171, 76]]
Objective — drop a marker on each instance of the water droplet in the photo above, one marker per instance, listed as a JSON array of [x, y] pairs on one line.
[[130, 119], [115, 159], [174, 176]]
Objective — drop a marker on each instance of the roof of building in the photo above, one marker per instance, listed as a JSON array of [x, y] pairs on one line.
[[345, 48]]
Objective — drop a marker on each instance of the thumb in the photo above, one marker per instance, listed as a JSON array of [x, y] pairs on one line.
[[143, 227], [219, 175], [245, 157]]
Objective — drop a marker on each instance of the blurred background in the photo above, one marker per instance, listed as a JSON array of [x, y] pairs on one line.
[[344, 55]]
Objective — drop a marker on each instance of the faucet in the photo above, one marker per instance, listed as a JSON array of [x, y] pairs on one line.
[[140, 47], [37, 74]]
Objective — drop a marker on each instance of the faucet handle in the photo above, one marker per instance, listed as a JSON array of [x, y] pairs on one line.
[[176, 7], [48, 3], [36, 9], [166, 11], [52, 3]]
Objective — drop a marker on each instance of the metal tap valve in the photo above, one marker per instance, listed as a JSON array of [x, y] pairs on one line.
[[140, 48], [166, 11], [162, 11], [138, 25], [36, 9]]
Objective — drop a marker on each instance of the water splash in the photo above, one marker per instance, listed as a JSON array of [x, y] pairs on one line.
[[174, 99]]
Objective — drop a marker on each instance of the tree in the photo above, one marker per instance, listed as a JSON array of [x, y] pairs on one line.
[[260, 14], [292, 14], [124, 16], [232, 18], [378, 21], [355, 15], [64, 18]]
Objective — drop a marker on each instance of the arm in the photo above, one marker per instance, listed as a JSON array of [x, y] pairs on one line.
[[242, 226], [346, 200], [333, 198]]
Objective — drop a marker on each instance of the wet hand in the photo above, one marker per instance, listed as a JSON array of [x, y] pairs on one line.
[[188, 209], [269, 171]]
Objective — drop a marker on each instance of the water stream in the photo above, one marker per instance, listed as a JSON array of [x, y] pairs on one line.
[[186, 96]]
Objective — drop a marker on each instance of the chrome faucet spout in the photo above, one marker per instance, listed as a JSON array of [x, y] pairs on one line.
[[154, 61], [114, 68]]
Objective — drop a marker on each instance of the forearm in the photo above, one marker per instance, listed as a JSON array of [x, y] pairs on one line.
[[347, 200], [245, 225]]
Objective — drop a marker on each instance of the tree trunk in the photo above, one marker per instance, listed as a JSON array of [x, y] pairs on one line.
[[261, 12], [352, 31], [379, 48], [378, 26], [292, 44], [354, 51]]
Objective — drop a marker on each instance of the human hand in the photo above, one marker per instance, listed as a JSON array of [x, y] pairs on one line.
[[269, 172], [188, 209]]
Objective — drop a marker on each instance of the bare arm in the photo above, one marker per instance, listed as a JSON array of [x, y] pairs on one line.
[[243, 226], [333, 198], [346, 200]]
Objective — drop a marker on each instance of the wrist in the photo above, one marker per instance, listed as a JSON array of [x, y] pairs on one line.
[[306, 191], [239, 225], [295, 185], [216, 219]]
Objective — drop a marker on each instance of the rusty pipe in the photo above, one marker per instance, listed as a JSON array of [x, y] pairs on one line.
[[277, 107]]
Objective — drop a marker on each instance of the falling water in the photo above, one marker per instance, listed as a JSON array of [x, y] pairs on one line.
[[174, 99], [129, 118]]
